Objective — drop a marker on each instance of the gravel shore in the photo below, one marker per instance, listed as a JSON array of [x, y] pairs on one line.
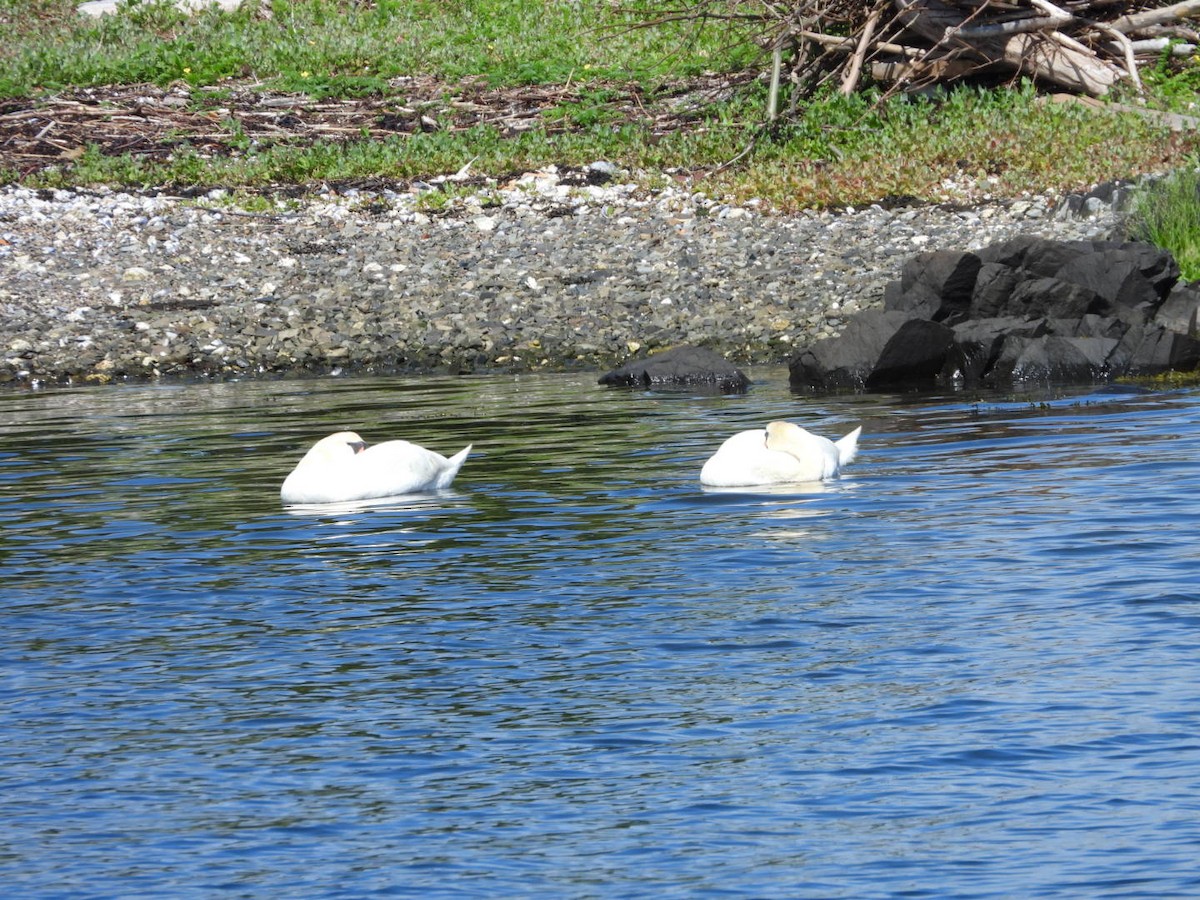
[[552, 270]]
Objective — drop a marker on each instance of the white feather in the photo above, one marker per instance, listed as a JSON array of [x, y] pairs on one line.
[[781, 453], [337, 469]]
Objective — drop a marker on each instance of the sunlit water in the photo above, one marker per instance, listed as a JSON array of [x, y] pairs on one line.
[[969, 668]]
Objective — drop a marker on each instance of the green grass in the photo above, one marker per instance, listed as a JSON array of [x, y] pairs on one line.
[[337, 46], [1004, 143], [840, 152], [837, 151], [1166, 213]]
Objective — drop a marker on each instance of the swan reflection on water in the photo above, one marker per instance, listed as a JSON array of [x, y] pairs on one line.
[[424, 502]]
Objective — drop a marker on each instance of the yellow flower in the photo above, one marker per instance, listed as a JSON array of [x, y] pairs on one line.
[[187, 70], [305, 74]]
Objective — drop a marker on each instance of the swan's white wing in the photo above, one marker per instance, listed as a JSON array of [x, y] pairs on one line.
[[816, 457], [389, 469], [400, 467], [782, 453], [744, 460]]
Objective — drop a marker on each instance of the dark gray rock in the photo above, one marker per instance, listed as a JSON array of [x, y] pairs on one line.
[[846, 362], [1109, 195], [1026, 309], [684, 366], [915, 353], [978, 344], [993, 286], [1161, 350], [947, 275], [1130, 283], [1181, 310], [1097, 326], [1039, 256], [919, 300], [1052, 298], [1051, 357]]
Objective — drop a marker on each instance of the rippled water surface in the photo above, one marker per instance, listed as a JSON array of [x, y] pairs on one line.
[[969, 668]]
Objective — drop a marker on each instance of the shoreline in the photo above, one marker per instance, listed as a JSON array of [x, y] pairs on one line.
[[547, 272]]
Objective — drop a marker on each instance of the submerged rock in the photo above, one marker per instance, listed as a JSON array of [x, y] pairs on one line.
[[684, 366]]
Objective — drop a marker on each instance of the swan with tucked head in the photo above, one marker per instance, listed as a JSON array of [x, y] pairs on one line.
[[342, 467], [782, 453]]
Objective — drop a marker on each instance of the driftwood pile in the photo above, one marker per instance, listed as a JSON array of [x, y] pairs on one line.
[[1077, 46], [151, 122], [1087, 46]]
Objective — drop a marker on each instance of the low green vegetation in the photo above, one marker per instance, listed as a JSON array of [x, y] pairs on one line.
[[651, 99], [1166, 212], [343, 47]]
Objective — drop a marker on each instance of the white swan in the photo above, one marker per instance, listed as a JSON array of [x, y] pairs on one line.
[[782, 453], [341, 467]]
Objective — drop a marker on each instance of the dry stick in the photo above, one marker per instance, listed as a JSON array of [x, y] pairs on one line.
[[1054, 18], [1054, 12], [854, 70], [938, 21], [1159, 44], [773, 94], [1130, 61], [799, 62], [1069, 42], [847, 44], [1074, 66], [566, 87], [918, 73], [914, 15], [1186, 10], [1127, 46], [772, 106]]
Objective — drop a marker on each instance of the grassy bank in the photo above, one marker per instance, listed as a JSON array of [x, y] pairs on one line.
[[516, 84]]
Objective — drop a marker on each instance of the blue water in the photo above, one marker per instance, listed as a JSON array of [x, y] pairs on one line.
[[970, 668]]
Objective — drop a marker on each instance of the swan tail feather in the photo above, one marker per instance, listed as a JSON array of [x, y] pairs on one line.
[[847, 447], [453, 464]]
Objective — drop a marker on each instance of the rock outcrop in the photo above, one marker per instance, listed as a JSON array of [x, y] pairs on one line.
[[1028, 309]]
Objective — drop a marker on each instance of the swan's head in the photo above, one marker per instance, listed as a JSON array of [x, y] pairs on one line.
[[781, 435], [351, 438], [337, 446]]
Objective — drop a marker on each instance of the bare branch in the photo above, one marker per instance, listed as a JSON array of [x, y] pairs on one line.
[[850, 78], [1127, 48], [1080, 46], [1187, 10]]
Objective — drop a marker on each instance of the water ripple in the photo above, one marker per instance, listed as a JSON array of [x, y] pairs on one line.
[[966, 669]]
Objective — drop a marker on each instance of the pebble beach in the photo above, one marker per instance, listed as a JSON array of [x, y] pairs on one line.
[[549, 271]]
